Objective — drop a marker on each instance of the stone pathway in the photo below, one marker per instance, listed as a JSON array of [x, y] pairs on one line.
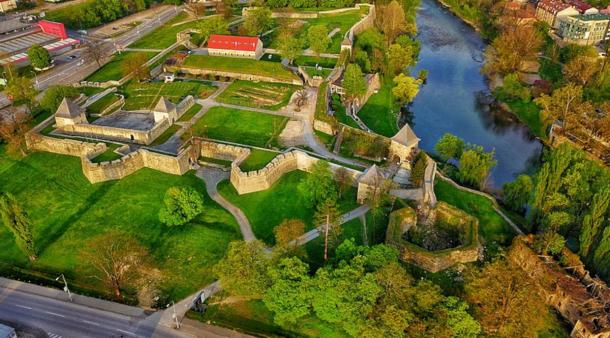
[[315, 233], [213, 176]]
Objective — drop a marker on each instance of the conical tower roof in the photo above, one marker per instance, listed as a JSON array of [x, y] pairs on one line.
[[67, 108], [372, 175], [164, 106], [406, 136]]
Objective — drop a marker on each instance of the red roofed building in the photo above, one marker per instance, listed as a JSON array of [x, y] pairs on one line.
[[250, 47], [550, 10]]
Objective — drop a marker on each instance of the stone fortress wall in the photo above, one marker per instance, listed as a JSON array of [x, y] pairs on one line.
[[233, 75]]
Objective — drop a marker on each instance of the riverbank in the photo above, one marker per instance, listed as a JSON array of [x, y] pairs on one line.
[[459, 15]]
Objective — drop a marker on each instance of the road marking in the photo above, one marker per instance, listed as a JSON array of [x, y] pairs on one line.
[[90, 322], [55, 314], [23, 307], [53, 335], [127, 332]]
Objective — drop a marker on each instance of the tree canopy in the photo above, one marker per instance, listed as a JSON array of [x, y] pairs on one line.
[[182, 204]]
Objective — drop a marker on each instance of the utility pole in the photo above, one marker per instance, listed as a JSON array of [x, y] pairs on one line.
[[66, 289]]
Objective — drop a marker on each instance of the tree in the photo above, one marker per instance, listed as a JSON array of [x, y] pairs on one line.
[[182, 204], [378, 198], [399, 58], [54, 95], [582, 69], [344, 180], [517, 193], [419, 169], [301, 99], [514, 45], [327, 214], [243, 271], [391, 21], [405, 88], [504, 299], [565, 104], [14, 124], [592, 225], [317, 37], [289, 297], [475, 165], [118, 258], [136, 64], [21, 90], [513, 88], [258, 21], [287, 233], [319, 185], [39, 57], [601, 258], [449, 147], [213, 25], [289, 46], [95, 51], [549, 242], [353, 82], [16, 219], [197, 8], [229, 5]]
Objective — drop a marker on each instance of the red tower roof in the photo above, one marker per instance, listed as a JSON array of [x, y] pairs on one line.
[[231, 42]]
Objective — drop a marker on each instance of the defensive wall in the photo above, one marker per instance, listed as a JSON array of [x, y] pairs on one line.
[[403, 219], [233, 75], [306, 15], [118, 134]]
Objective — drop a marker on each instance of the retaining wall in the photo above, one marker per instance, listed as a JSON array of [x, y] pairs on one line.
[[233, 75], [118, 134]]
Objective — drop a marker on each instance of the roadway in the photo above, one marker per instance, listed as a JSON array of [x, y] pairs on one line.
[[63, 319]]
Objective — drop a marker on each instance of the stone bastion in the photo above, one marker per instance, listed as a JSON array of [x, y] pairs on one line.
[[433, 261]]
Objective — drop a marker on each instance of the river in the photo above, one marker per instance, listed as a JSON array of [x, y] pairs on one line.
[[452, 53]]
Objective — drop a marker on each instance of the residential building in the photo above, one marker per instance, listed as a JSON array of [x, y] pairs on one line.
[[250, 47], [7, 5], [550, 10], [584, 29], [583, 7]]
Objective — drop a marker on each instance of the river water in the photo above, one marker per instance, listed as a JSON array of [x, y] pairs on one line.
[[452, 53]]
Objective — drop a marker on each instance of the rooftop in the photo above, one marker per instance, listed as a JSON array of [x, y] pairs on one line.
[[231, 42], [67, 108], [406, 136]]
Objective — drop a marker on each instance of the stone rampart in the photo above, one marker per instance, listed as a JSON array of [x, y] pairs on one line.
[[118, 134], [36, 141], [114, 106], [233, 75]]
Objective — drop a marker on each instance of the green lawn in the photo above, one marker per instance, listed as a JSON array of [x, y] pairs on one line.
[[491, 225], [244, 66], [258, 159], [166, 135], [190, 113], [240, 126], [267, 209], [340, 113], [147, 95], [98, 106], [165, 35], [313, 71], [312, 61], [112, 70], [66, 211], [380, 112], [108, 155], [272, 96]]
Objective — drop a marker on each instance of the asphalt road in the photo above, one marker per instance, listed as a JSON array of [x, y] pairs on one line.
[[61, 319]]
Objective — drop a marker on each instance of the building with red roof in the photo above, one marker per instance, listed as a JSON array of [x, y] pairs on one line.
[[250, 47], [549, 10]]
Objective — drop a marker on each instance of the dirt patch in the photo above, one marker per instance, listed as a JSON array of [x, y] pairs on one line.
[[292, 135]]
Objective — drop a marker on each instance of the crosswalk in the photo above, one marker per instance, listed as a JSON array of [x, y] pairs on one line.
[[53, 335]]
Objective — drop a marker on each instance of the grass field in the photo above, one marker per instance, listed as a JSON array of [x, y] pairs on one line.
[[312, 61], [492, 228], [244, 66], [165, 35], [240, 126], [166, 135], [258, 159], [66, 211], [380, 111], [282, 201], [272, 96], [147, 95], [527, 112], [340, 112], [112, 70], [190, 113], [98, 106], [108, 155]]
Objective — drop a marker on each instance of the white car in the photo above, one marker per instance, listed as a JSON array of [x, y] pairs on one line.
[[81, 62]]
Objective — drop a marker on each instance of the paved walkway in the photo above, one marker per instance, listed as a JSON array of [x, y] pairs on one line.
[[212, 177], [315, 233]]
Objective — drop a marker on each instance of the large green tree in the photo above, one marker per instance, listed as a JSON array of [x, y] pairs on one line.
[[182, 204], [405, 88], [319, 185], [243, 271], [213, 25], [289, 46], [592, 225], [39, 57], [516, 194], [16, 219], [449, 147], [318, 39], [475, 165], [258, 21], [54, 95], [289, 296], [353, 82]]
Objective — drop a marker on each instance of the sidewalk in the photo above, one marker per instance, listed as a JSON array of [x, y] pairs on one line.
[[77, 299]]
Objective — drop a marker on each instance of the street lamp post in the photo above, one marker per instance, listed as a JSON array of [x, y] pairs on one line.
[[66, 289]]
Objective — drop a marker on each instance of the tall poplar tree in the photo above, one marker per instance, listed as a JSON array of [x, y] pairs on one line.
[[18, 222]]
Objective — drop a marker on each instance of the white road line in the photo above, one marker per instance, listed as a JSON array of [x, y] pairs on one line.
[[90, 322], [23, 307], [53, 335], [127, 332], [55, 314]]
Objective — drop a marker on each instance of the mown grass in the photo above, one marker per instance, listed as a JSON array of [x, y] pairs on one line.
[[380, 112], [258, 159], [492, 227], [147, 95], [267, 209], [166, 135], [165, 35], [527, 112], [67, 211], [190, 113], [272, 96], [98, 106], [112, 71], [243, 66], [108, 155], [240, 126]]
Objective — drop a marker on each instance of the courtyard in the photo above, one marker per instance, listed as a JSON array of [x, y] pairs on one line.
[[265, 95]]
